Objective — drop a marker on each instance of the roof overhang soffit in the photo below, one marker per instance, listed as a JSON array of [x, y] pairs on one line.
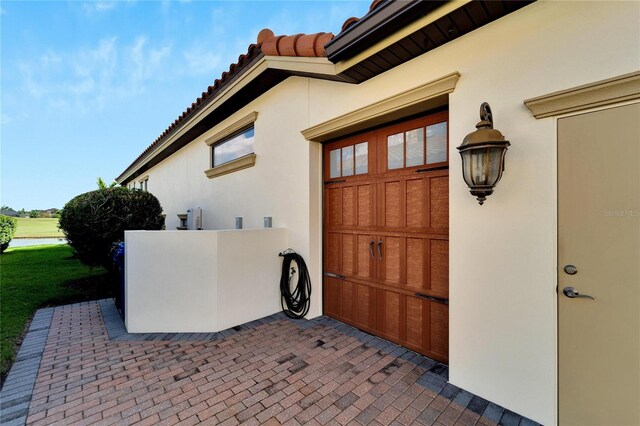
[[377, 43], [319, 68]]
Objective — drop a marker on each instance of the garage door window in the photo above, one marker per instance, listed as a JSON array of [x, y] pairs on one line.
[[349, 160]]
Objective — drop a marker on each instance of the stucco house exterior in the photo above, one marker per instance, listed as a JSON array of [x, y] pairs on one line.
[[349, 142]]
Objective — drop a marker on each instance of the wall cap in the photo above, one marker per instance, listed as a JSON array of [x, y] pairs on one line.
[[232, 166], [621, 88], [419, 99]]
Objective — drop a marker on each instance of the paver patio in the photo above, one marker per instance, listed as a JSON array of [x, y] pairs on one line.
[[270, 371]]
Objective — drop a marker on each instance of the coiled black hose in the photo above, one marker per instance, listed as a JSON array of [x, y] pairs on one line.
[[298, 301]]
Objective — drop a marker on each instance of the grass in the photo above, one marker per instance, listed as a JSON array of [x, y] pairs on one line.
[[37, 228], [39, 276]]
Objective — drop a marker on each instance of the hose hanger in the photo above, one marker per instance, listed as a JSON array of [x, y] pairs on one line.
[[297, 301]]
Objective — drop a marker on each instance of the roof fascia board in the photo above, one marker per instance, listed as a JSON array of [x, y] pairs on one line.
[[427, 19], [402, 104], [354, 33], [320, 66]]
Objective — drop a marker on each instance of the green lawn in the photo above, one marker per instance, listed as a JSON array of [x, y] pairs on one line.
[[39, 276], [37, 228]]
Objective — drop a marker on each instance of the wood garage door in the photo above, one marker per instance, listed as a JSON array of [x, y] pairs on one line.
[[386, 233]]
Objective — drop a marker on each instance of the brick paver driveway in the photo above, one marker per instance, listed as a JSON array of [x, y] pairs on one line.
[[271, 371]]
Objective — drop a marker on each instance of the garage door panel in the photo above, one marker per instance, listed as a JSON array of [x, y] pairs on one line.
[[439, 267], [390, 250], [392, 204], [348, 254], [415, 263], [439, 202], [348, 205], [334, 254], [331, 296], [334, 206], [365, 205], [439, 330], [365, 306], [391, 314], [363, 254], [415, 203], [348, 300], [415, 322]]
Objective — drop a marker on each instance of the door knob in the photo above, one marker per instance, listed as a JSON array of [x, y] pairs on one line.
[[380, 249], [572, 293], [371, 249]]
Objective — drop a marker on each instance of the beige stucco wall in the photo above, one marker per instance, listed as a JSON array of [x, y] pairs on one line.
[[277, 186], [502, 254]]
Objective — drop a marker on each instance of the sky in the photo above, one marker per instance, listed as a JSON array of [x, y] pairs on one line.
[[85, 87]]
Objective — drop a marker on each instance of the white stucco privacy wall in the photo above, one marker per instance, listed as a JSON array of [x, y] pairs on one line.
[[502, 254], [201, 281]]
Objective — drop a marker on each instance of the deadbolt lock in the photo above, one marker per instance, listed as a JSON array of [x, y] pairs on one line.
[[570, 270]]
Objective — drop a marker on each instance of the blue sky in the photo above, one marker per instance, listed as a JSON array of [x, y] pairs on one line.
[[86, 86]]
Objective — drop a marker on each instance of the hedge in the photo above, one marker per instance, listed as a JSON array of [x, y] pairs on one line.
[[94, 221], [7, 231]]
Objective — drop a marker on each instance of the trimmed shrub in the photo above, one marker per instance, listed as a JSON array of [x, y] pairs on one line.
[[94, 221], [7, 230]]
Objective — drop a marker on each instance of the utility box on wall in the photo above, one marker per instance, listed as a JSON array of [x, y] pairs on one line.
[[194, 219]]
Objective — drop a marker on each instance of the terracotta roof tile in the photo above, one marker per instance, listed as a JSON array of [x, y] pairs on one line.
[[349, 22], [307, 45]]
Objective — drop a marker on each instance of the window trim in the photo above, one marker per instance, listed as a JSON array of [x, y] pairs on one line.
[[231, 130], [240, 163], [222, 136]]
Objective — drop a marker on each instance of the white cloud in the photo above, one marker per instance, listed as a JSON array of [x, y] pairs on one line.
[[199, 60], [87, 78], [98, 7]]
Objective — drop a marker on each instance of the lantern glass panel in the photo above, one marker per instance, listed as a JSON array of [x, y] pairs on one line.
[[482, 166]]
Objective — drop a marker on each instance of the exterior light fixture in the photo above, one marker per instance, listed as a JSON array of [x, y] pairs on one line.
[[482, 153]]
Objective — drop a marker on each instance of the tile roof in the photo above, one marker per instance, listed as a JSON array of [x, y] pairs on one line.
[[300, 45]]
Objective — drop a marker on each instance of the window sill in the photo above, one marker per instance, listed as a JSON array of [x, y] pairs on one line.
[[232, 166]]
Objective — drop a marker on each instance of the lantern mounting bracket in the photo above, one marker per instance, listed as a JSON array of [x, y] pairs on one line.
[[485, 113]]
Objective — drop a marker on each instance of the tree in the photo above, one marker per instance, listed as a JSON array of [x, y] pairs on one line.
[[103, 185], [34, 214]]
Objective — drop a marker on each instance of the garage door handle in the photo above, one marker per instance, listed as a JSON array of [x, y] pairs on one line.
[[371, 249], [380, 249], [332, 275], [432, 298]]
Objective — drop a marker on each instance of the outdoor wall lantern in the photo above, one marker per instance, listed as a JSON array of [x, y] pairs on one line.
[[482, 153]]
